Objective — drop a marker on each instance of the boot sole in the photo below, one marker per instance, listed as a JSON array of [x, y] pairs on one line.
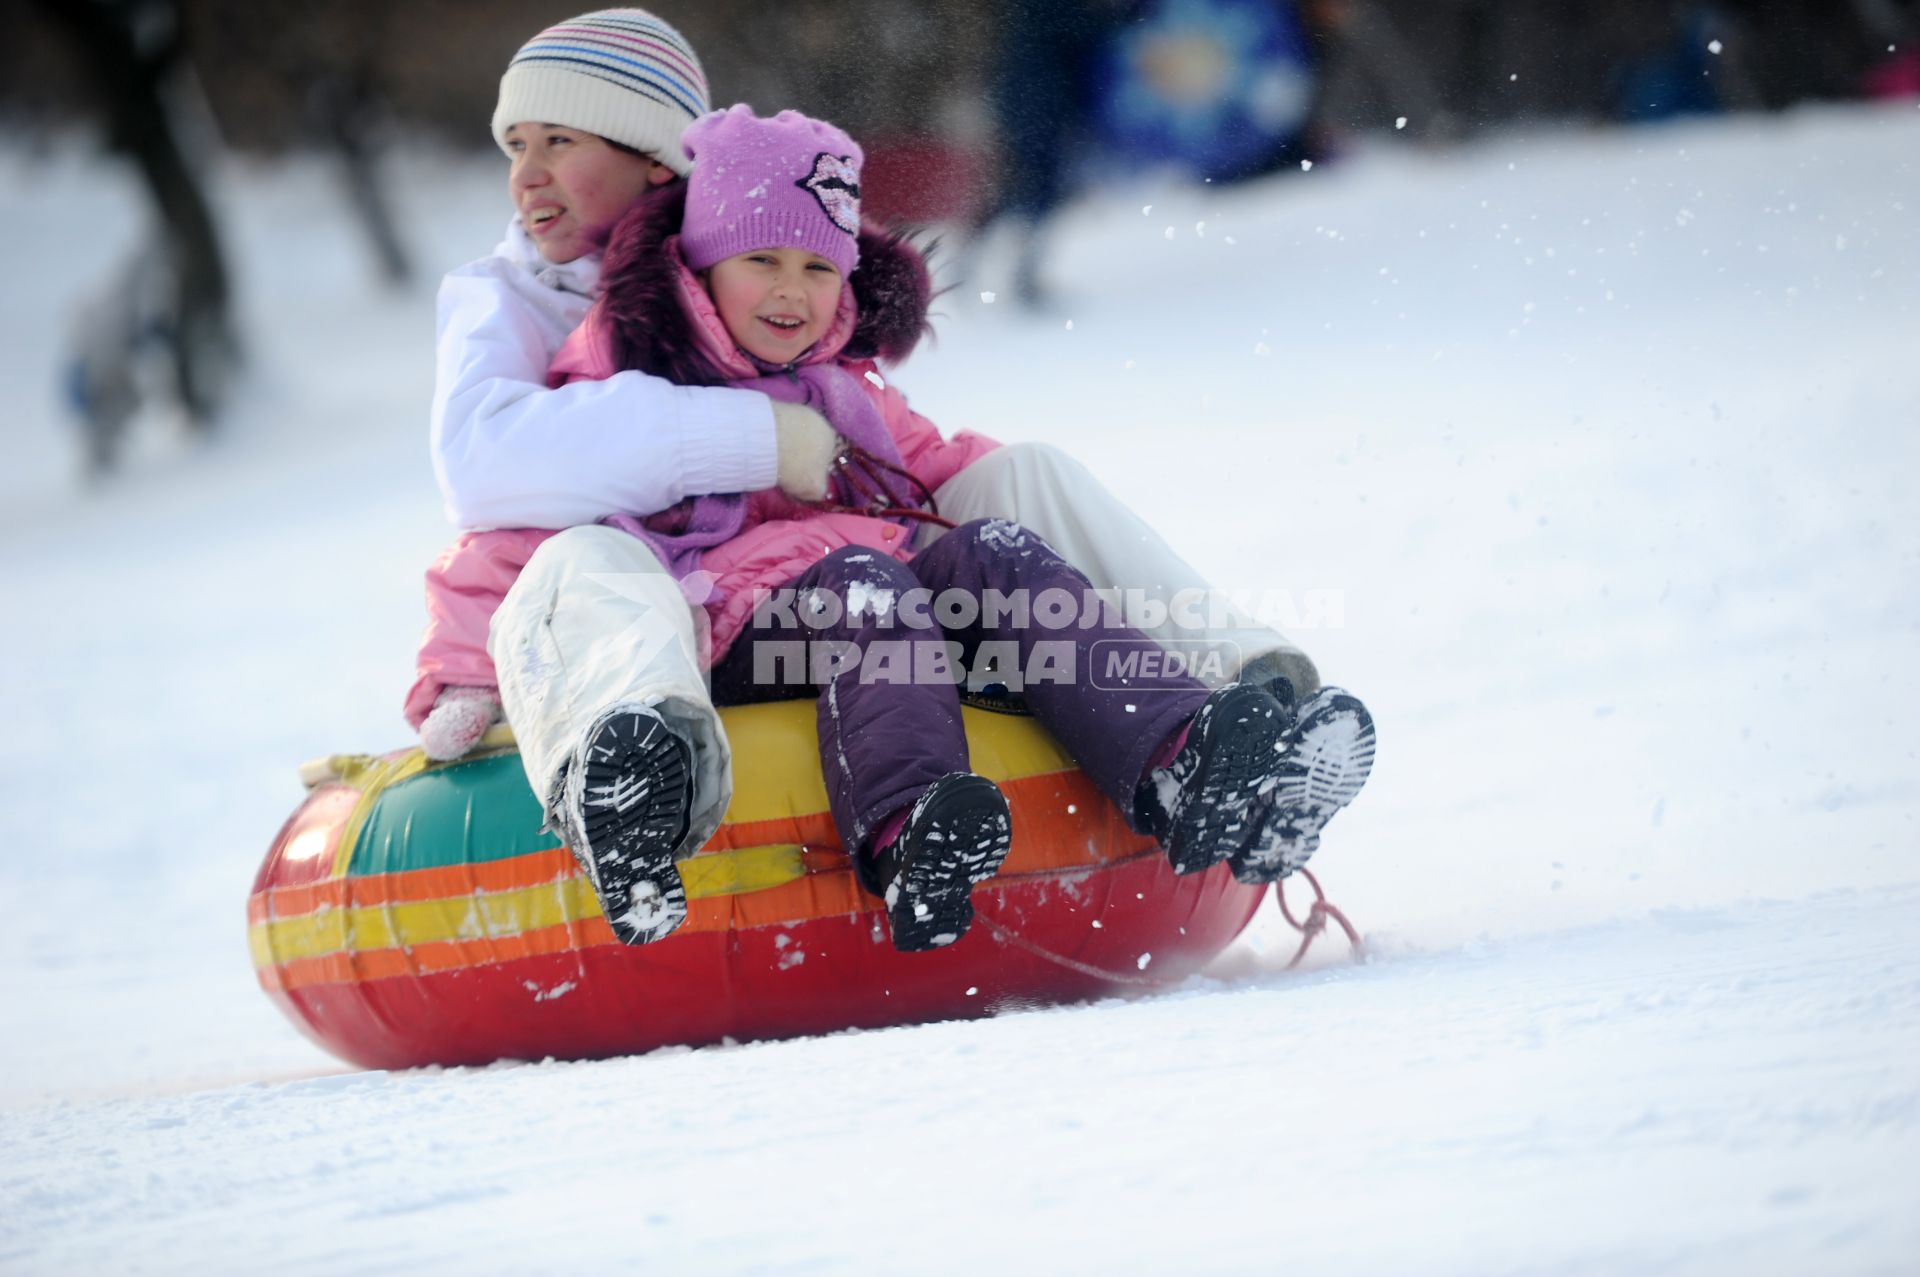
[[1330, 758], [1218, 816], [961, 831], [634, 813]]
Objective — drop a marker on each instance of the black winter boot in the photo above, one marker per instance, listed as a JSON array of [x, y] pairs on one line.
[[956, 836], [1201, 805], [624, 812], [1326, 758]]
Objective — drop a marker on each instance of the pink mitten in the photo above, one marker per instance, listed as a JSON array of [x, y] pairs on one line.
[[460, 717]]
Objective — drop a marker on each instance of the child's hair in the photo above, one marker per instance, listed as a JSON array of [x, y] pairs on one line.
[[621, 74]]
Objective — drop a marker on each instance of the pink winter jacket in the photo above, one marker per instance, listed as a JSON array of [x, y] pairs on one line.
[[781, 537]]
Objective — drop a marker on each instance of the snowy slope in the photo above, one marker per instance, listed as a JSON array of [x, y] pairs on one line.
[[1662, 1096], [1605, 441]]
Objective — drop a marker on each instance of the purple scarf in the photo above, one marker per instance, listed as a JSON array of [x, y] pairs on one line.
[[836, 394], [680, 535]]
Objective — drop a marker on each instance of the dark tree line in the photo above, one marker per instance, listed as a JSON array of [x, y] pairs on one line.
[[272, 76]]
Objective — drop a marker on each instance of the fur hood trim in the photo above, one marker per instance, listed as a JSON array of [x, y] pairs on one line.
[[643, 315]]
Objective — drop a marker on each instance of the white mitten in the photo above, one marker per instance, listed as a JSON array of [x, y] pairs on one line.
[[807, 446], [460, 717]]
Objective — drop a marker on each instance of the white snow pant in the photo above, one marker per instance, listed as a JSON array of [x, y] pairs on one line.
[[1042, 488], [596, 624]]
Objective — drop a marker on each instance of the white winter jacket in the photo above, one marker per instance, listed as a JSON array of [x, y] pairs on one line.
[[509, 453]]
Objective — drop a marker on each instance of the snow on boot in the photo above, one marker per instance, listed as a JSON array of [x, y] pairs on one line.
[[1325, 760], [1201, 805], [460, 717], [626, 808], [954, 837]]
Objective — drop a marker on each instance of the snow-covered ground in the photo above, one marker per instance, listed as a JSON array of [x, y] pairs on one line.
[[1607, 443]]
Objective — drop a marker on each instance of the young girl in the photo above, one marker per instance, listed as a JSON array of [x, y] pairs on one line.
[[597, 652], [770, 274]]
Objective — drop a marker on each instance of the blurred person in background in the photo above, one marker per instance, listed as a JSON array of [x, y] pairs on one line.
[[1220, 90], [1041, 92], [160, 330]]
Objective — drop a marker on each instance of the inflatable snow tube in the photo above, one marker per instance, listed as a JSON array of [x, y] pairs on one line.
[[412, 913]]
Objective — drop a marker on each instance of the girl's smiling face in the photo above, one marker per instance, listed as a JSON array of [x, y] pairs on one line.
[[571, 186], [776, 302]]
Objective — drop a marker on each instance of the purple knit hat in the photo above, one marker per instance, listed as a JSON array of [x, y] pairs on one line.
[[789, 181]]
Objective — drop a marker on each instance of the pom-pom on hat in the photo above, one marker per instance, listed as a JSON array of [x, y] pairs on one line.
[[785, 182], [620, 73]]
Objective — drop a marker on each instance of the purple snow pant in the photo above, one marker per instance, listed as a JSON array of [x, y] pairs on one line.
[[885, 734]]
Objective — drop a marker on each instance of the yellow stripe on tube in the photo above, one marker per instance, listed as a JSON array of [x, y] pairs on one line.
[[774, 744], [488, 915]]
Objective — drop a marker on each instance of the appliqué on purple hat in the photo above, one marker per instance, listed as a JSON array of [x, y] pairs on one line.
[[745, 191], [835, 182]]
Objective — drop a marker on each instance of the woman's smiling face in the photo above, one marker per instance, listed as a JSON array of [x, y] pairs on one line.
[[571, 186], [776, 302]]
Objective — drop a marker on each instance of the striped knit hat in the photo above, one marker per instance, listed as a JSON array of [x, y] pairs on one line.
[[620, 73]]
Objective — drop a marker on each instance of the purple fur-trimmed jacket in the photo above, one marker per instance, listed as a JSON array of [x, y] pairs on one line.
[[653, 315]]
